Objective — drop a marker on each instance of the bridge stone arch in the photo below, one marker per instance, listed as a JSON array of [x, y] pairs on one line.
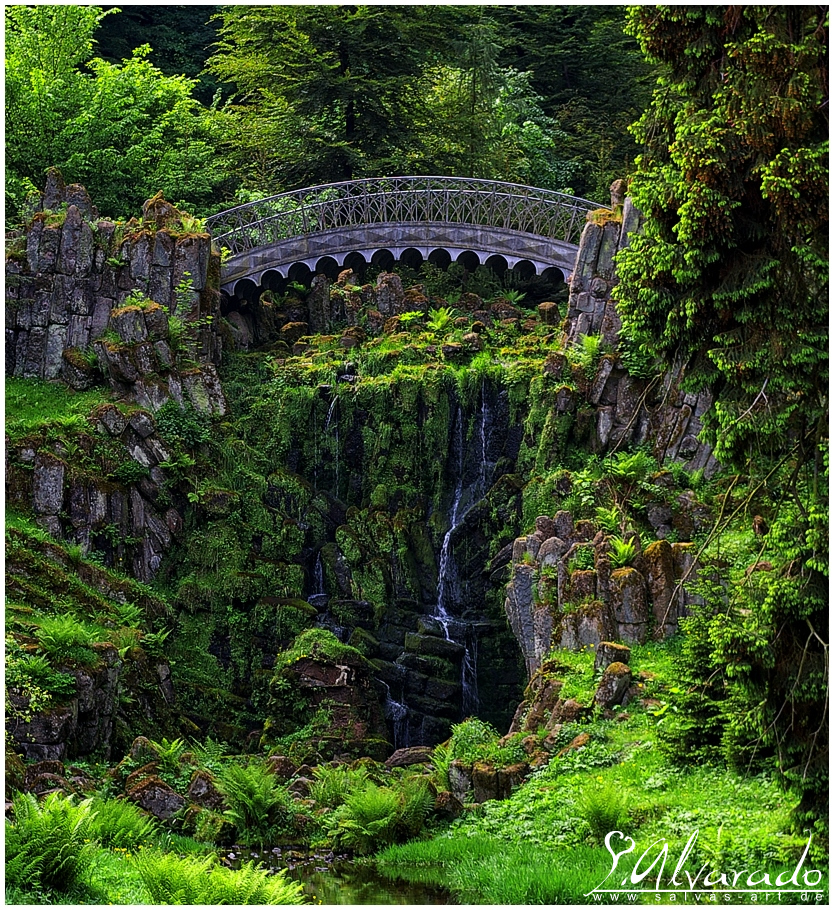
[[401, 215]]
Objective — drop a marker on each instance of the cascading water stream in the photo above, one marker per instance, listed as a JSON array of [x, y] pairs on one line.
[[327, 422], [455, 630], [441, 613], [397, 713]]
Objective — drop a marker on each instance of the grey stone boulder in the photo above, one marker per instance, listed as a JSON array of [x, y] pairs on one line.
[[613, 686], [609, 652]]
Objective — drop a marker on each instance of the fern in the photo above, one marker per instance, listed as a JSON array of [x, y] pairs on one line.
[[171, 879], [332, 786], [49, 845], [117, 823], [622, 552], [259, 807]]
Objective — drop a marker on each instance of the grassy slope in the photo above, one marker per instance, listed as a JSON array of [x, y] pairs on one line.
[[545, 843]]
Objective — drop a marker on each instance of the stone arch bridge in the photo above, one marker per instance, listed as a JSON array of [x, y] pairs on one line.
[[383, 219]]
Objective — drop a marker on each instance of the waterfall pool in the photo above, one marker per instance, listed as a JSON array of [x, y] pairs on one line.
[[334, 878]]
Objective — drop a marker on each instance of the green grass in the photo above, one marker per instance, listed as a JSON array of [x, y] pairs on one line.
[[33, 405]]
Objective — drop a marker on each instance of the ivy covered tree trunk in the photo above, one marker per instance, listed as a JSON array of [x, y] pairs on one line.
[[731, 276]]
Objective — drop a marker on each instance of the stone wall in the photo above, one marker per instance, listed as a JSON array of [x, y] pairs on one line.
[[69, 272], [132, 524]]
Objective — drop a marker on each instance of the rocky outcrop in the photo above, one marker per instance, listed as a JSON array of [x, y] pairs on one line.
[[551, 603], [81, 725], [69, 287], [131, 523], [628, 409]]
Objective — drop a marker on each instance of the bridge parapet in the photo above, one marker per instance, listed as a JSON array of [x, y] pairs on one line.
[[380, 200]]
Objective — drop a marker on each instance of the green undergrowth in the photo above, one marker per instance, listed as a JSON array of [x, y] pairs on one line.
[[104, 851], [545, 844]]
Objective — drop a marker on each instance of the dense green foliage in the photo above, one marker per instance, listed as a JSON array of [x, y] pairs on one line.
[[124, 130], [730, 278]]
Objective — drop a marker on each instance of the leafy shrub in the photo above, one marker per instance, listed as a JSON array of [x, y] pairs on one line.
[[35, 671], [66, 638], [469, 739], [608, 519], [582, 559], [630, 468], [259, 807], [441, 318], [169, 752], [117, 823], [332, 786], [171, 879], [129, 472], [368, 818], [587, 352], [49, 845], [184, 425], [622, 552]]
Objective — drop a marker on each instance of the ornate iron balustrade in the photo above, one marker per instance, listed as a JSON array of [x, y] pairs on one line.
[[402, 200]]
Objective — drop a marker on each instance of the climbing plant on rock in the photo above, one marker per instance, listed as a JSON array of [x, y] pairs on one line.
[[730, 279]]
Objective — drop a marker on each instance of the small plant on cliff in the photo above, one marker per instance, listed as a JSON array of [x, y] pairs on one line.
[[622, 552], [441, 319], [588, 350], [48, 845], [67, 638]]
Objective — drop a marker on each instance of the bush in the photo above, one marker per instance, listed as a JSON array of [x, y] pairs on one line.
[[376, 816], [116, 823], [259, 807], [171, 879], [184, 425], [603, 809], [48, 846]]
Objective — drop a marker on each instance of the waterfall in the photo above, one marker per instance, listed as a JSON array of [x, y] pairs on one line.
[[397, 713], [330, 412], [443, 580], [469, 676], [455, 630], [318, 576]]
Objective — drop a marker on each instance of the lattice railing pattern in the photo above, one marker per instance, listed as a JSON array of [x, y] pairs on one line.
[[380, 200]]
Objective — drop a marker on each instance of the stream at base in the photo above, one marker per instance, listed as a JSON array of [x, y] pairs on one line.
[[337, 879]]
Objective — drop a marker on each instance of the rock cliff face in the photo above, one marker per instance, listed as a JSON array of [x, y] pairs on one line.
[[71, 285]]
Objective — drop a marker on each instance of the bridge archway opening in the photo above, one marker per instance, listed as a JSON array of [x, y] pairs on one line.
[[524, 269], [497, 263], [356, 262], [273, 281], [300, 272], [383, 259], [469, 260], [441, 258], [328, 266], [412, 258], [246, 290]]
